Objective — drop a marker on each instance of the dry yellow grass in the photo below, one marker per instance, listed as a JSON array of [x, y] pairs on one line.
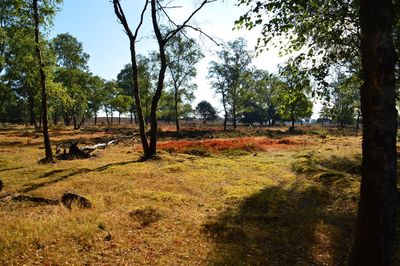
[[270, 209]]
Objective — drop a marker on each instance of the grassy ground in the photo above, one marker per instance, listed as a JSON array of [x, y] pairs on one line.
[[268, 198]]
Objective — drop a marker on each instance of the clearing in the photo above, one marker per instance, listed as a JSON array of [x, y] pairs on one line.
[[246, 197]]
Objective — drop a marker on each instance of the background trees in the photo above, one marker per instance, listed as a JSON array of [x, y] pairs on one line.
[[183, 55], [228, 75], [206, 111]]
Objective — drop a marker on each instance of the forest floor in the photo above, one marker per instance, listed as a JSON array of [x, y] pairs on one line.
[[245, 197]]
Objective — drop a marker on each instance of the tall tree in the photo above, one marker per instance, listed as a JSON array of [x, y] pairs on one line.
[[183, 53], [228, 75], [157, 11], [332, 30], [295, 104], [47, 144], [374, 238]]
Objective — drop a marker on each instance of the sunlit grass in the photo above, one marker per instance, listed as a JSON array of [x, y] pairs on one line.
[[282, 206]]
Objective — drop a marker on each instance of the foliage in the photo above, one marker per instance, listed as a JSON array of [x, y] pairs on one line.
[[183, 54], [323, 33], [228, 76], [294, 103], [206, 111]]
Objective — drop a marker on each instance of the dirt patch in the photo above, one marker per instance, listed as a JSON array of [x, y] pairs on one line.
[[249, 144]]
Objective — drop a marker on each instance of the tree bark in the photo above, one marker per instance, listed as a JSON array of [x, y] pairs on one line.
[[46, 137], [176, 107], [375, 227], [31, 105]]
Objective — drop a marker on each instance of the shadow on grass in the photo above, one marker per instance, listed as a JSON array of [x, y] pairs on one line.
[[31, 187], [294, 225]]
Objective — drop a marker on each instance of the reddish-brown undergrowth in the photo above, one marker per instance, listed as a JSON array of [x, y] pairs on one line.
[[249, 144]]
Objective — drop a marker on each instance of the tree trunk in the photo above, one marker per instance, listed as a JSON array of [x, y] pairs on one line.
[[75, 122], [358, 120], [176, 108], [108, 120], [119, 118], [31, 105], [112, 116], [82, 121], [234, 116], [225, 110], [375, 228], [292, 116], [46, 137]]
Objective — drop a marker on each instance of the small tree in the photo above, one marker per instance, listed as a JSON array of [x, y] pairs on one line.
[[206, 111]]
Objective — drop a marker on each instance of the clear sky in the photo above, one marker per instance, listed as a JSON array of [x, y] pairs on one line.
[[94, 23]]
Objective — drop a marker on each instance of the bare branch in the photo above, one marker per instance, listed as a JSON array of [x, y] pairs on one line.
[[203, 33], [179, 28]]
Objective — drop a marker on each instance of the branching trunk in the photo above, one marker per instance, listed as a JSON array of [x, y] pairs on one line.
[[136, 94], [374, 237], [47, 144]]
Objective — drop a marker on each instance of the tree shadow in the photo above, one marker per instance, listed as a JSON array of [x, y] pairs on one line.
[[31, 187], [282, 225]]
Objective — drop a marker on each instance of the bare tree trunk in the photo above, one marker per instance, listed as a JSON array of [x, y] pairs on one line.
[[95, 118], [176, 108], [225, 110], [375, 228], [46, 137]]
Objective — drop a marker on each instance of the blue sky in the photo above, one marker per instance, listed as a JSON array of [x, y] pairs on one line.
[[94, 23]]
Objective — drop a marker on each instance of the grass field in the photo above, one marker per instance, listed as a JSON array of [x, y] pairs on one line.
[[246, 197]]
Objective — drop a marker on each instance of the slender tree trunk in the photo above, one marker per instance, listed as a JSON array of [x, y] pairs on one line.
[[108, 120], [225, 110], [74, 121], [31, 106], [358, 120], [176, 108], [375, 228], [119, 118], [292, 116], [234, 116], [95, 118], [46, 137], [112, 116], [82, 121]]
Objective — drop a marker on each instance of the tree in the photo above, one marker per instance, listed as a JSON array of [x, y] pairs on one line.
[[344, 99], [157, 10], [69, 52], [206, 111], [324, 33], [121, 103], [73, 74], [294, 103], [227, 76], [261, 98], [35, 7], [145, 81], [332, 30], [183, 53], [97, 95], [376, 220]]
